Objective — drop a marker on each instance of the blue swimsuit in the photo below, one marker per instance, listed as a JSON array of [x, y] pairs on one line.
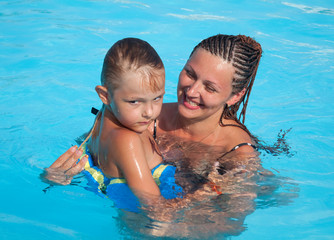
[[118, 190]]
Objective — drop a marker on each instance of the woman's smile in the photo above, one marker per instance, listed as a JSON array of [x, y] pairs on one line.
[[189, 103], [205, 85]]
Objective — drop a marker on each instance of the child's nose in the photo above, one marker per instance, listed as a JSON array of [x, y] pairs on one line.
[[148, 110]]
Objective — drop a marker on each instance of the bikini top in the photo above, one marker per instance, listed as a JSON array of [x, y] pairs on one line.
[[238, 146]]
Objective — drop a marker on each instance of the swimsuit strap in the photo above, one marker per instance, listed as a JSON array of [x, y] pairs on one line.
[[155, 130], [238, 146], [243, 144]]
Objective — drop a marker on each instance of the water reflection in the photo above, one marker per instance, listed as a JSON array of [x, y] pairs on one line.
[[215, 204]]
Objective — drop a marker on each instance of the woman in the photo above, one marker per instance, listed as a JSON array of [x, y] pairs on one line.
[[216, 80]]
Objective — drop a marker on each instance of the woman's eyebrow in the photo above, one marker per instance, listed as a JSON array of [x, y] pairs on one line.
[[193, 72], [189, 68], [212, 83]]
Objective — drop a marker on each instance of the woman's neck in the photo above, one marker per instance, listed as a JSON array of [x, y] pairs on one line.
[[197, 130]]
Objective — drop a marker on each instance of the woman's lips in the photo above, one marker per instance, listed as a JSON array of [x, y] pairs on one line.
[[190, 104]]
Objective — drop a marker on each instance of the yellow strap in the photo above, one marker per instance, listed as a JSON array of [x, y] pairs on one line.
[[98, 176], [157, 173], [117, 180], [84, 152], [156, 176]]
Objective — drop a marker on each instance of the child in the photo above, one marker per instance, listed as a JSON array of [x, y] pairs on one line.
[[123, 156]]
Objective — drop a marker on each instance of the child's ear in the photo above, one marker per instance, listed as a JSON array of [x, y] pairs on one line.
[[236, 97], [103, 93]]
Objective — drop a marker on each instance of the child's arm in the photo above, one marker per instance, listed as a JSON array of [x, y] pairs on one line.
[[126, 151]]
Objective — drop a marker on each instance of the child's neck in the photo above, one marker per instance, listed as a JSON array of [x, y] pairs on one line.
[[108, 115]]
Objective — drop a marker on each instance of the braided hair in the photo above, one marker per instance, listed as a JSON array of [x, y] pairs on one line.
[[244, 54]]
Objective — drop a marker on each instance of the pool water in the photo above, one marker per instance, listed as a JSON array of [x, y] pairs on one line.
[[51, 55]]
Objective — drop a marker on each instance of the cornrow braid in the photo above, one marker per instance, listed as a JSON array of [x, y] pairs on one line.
[[244, 54]]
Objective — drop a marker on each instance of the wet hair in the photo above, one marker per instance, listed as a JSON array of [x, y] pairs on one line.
[[131, 54], [244, 54]]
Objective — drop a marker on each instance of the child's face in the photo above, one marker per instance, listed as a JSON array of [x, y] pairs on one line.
[[134, 104]]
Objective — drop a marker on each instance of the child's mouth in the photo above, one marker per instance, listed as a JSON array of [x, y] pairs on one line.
[[145, 123]]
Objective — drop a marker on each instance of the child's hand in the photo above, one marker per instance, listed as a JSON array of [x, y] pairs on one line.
[[65, 167]]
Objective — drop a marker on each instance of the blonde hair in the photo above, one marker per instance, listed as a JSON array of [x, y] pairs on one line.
[[131, 54]]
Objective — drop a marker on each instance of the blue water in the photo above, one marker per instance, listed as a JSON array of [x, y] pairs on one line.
[[51, 54]]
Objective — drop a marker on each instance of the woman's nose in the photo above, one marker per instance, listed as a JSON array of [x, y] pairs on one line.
[[193, 90]]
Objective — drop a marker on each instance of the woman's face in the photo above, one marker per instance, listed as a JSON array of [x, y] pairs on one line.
[[205, 86]]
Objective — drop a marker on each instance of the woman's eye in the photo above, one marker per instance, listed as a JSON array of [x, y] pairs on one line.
[[189, 73], [210, 88]]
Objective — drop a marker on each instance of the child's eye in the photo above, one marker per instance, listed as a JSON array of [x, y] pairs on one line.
[[157, 98], [133, 102]]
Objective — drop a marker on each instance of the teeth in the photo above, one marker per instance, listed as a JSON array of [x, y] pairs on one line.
[[191, 102]]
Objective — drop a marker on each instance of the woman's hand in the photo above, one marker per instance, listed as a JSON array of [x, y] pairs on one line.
[[65, 167]]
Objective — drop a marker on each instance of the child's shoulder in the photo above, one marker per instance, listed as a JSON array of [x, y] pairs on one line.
[[123, 135], [121, 142]]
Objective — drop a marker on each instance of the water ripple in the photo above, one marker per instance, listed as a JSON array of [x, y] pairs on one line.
[[308, 9], [200, 17], [133, 2], [15, 219]]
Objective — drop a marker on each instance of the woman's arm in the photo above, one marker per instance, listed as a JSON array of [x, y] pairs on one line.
[[65, 167]]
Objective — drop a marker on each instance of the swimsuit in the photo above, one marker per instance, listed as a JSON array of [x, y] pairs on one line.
[[118, 190], [239, 145]]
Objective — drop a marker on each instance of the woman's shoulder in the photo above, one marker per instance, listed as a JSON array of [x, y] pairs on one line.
[[233, 135]]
